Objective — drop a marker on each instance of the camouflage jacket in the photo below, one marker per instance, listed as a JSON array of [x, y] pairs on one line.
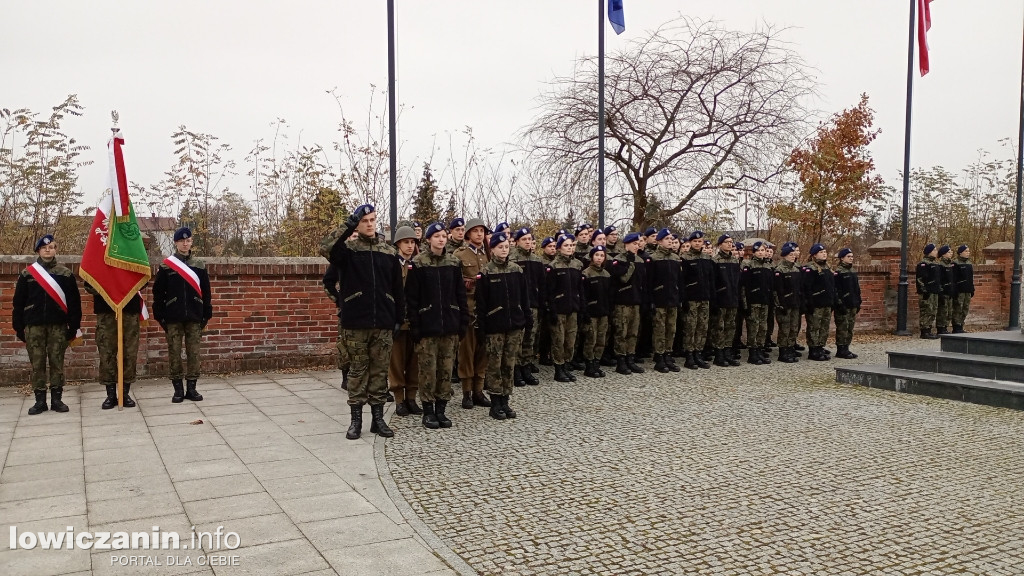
[[533, 266], [436, 296], [371, 287], [502, 303], [33, 306], [174, 299]]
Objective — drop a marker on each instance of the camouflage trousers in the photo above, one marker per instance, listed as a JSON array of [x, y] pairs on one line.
[[370, 355], [627, 326], [695, 328], [663, 329], [961, 306], [403, 370], [943, 311], [595, 335], [106, 345], [502, 352], [529, 350], [343, 361], [472, 361], [563, 338], [927, 304], [190, 333], [771, 324], [46, 344], [844, 325], [789, 325], [757, 325], [818, 320], [435, 357], [723, 327]]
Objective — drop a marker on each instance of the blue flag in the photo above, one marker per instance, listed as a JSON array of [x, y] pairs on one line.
[[616, 16]]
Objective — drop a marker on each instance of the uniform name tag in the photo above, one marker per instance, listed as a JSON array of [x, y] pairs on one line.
[[190, 276]]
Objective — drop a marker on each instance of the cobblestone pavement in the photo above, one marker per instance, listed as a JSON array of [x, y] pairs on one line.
[[748, 470]]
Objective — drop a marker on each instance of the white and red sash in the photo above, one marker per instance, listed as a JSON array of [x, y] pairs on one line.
[[144, 313], [49, 285], [190, 276]]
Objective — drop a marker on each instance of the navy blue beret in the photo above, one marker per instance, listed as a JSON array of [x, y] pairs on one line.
[[547, 240], [44, 241], [498, 239], [960, 249], [609, 229], [697, 235], [650, 230], [723, 238], [928, 248], [943, 250], [182, 233], [816, 248], [597, 249], [844, 252], [583, 227], [563, 238], [631, 237], [433, 229], [520, 233], [663, 233], [787, 248], [456, 222]]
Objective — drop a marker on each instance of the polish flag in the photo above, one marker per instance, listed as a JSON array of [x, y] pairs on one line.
[[924, 24]]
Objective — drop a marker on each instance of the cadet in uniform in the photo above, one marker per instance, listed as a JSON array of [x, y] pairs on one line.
[[630, 274], [944, 309], [403, 377], [373, 307], [547, 256], [472, 352], [739, 253], [597, 309], [533, 268], [788, 296], [664, 277], [963, 287], [725, 302], [756, 291], [928, 289], [438, 315], [768, 344], [106, 345], [46, 315], [583, 234], [503, 312], [183, 304], [847, 303], [612, 244], [563, 301], [456, 234], [819, 297], [698, 281]]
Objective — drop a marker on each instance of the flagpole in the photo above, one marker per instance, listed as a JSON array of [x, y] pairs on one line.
[[600, 113], [120, 360], [1015, 282], [901, 293], [392, 119]]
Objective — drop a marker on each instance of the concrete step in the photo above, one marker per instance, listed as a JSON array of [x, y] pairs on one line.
[[1006, 343], [975, 366], [948, 386]]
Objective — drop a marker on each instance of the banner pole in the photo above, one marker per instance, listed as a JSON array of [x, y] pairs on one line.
[[120, 361]]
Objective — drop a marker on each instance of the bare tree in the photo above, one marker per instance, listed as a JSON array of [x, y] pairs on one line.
[[690, 107]]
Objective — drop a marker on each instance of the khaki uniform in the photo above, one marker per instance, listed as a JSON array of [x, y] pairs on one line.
[[403, 370], [472, 349]]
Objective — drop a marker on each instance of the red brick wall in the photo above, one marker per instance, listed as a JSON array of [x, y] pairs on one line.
[[268, 313]]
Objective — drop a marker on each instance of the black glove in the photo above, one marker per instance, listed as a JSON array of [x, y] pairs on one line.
[[356, 216], [21, 335], [202, 325], [70, 334]]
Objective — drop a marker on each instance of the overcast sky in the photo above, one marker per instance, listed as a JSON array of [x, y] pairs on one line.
[[231, 68]]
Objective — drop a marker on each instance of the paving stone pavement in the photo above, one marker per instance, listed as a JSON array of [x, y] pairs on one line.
[[269, 462], [747, 470]]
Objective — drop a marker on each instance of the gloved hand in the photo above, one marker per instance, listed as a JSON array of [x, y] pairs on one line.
[[21, 335], [202, 325], [69, 334], [357, 215]]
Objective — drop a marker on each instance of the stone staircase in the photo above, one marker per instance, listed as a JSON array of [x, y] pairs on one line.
[[983, 368]]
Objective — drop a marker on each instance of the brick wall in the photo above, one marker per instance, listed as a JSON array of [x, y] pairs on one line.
[[269, 313]]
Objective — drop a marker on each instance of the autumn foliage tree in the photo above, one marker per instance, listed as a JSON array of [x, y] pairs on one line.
[[836, 175]]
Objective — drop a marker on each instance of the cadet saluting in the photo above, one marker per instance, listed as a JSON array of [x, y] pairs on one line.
[[373, 306], [182, 304], [46, 316]]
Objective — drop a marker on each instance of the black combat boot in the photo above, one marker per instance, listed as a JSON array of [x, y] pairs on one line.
[[517, 376], [633, 366], [401, 409], [816, 354], [659, 364], [455, 371], [479, 399], [545, 359], [926, 334], [607, 359], [592, 370], [528, 376], [844, 352], [442, 420], [411, 405], [825, 352], [467, 400], [560, 374], [40, 406], [620, 365], [429, 419], [509, 412], [670, 361], [344, 378], [597, 367], [769, 344], [533, 368], [720, 358], [377, 424], [690, 362], [179, 391], [732, 357], [958, 329], [754, 357], [576, 364], [497, 410], [708, 354], [941, 330], [190, 391], [111, 400], [798, 348], [128, 402], [763, 354], [355, 427], [698, 359]]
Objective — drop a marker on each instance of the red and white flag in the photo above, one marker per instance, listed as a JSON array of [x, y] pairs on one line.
[[924, 24]]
